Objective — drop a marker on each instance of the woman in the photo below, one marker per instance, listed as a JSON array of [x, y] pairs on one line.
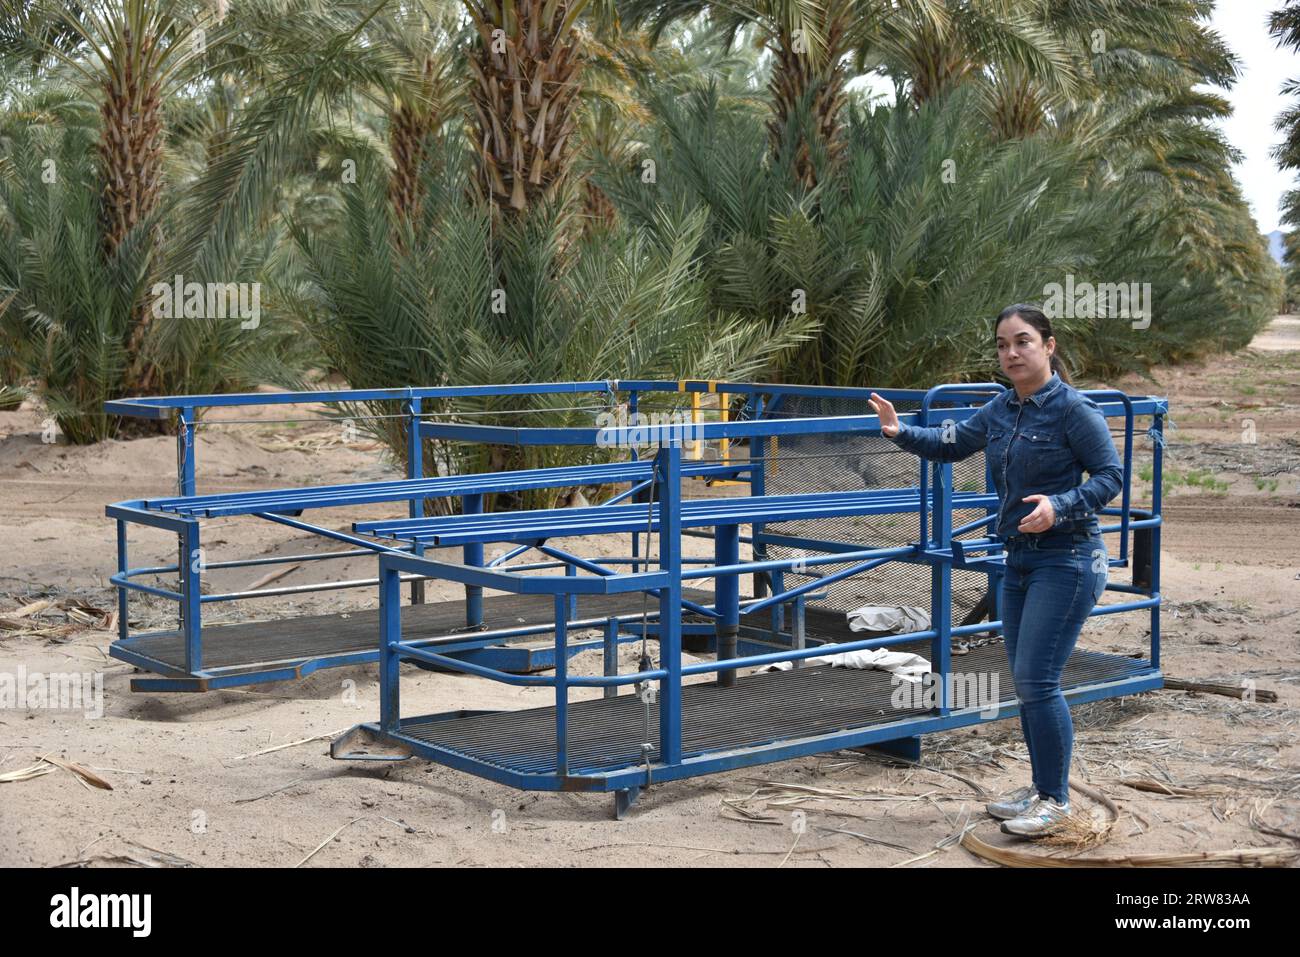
[[1040, 437]]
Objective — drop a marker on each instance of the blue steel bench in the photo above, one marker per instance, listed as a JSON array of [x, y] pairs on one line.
[[199, 659], [278, 501]]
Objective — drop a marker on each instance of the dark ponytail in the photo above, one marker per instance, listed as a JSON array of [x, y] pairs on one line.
[[1038, 319]]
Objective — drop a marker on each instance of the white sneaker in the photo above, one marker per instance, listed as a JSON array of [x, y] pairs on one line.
[[1044, 817], [1013, 803]]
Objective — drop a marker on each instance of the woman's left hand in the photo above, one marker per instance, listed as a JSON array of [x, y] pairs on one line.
[[1041, 518]]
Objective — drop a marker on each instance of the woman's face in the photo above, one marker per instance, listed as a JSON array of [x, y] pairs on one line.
[[1025, 358]]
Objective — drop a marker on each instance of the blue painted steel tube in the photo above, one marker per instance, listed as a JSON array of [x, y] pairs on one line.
[[970, 526], [1120, 607], [726, 551], [406, 490], [443, 658], [513, 553], [798, 627], [941, 585], [473, 505], [633, 405], [151, 406], [607, 560], [527, 584], [701, 512], [949, 391], [275, 560], [674, 433], [122, 582], [185, 451], [635, 560], [638, 487], [799, 591], [1098, 395], [778, 564], [758, 486], [390, 638], [777, 575], [611, 653], [421, 653], [414, 653], [158, 406], [751, 661], [122, 570], [571, 571], [415, 470], [573, 562], [533, 526], [1157, 480], [561, 684], [191, 589], [888, 640], [366, 543], [135, 511], [286, 559], [295, 589], [668, 466], [189, 609]]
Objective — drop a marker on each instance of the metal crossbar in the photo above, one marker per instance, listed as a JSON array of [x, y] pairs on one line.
[[364, 493], [555, 523]]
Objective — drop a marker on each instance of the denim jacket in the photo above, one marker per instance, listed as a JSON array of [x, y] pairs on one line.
[[1041, 446]]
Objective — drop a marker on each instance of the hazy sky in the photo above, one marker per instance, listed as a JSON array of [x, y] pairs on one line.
[[1256, 101]]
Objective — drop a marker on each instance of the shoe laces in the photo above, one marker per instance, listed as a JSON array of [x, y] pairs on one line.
[[1046, 805]]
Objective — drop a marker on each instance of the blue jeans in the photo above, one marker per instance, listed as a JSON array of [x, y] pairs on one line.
[[1051, 583]]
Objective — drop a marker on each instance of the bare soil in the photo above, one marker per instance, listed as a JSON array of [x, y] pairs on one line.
[[193, 780]]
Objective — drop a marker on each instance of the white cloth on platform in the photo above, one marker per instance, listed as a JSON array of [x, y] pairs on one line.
[[900, 620]]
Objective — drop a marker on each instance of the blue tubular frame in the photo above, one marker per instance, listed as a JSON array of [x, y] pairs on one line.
[[671, 517], [180, 515]]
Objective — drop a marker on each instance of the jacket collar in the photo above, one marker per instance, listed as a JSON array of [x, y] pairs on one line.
[[1042, 395]]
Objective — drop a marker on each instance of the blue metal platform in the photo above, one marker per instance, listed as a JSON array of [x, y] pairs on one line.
[[764, 717], [808, 539]]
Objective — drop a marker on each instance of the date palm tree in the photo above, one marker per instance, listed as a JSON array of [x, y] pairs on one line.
[[808, 41], [1284, 27], [479, 298], [194, 199], [817, 45]]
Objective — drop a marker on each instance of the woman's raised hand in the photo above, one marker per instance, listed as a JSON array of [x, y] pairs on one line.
[[888, 417]]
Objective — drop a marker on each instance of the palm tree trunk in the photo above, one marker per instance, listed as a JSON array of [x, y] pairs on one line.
[[526, 70], [409, 128], [1017, 109], [940, 64], [130, 167], [797, 75]]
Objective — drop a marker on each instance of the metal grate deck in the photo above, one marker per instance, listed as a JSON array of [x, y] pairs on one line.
[[606, 733], [256, 645]]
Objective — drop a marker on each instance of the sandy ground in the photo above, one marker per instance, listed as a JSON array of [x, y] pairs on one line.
[[193, 780]]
